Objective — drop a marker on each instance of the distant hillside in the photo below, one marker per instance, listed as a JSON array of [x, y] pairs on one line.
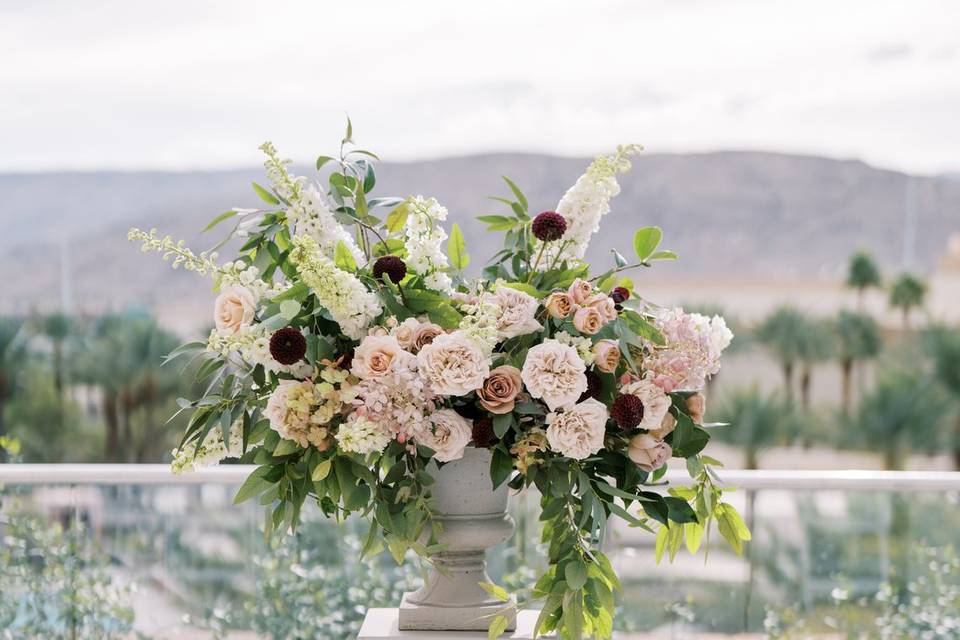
[[737, 214]]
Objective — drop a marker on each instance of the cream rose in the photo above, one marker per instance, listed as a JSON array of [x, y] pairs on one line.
[[233, 309], [448, 436], [453, 364], [375, 356], [578, 432], [580, 290], [554, 373], [696, 407], [604, 304], [647, 452], [425, 334], [588, 320], [499, 392], [405, 332], [518, 311], [606, 355], [559, 305], [656, 403]]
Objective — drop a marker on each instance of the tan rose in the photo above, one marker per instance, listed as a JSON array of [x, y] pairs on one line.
[[560, 305], [606, 355], [648, 453], [588, 320], [374, 357], [667, 425], [405, 331], [425, 334], [604, 304], [696, 407], [580, 290], [453, 364], [499, 391], [233, 309]]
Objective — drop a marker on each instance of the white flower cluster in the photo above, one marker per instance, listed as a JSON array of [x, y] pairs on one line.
[[363, 436], [209, 452], [481, 317], [255, 350], [182, 256], [584, 204], [245, 275], [287, 186], [350, 304], [583, 345], [423, 237]]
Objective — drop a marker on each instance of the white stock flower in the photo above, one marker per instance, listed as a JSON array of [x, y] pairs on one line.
[[448, 435], [584, 204], [554, 373], [193, 457], [349, 302], [578, 431], [423, 241]]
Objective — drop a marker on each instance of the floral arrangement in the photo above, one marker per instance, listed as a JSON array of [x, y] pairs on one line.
[[350, 350]]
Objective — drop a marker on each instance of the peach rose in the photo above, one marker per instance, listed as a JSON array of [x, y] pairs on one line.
[[604, 304], [560, 305], [606, 355], [696, 407], [374, 357], [588, 320], [648, 453], [499, 391], [580, 290], [233, 309], [425, 334]]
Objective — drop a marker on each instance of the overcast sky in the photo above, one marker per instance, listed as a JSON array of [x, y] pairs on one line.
[[192, 84]]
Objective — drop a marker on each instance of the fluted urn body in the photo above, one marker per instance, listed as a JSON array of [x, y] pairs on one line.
[[474, 518]]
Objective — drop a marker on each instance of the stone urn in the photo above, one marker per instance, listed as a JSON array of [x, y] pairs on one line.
[[474, 517]]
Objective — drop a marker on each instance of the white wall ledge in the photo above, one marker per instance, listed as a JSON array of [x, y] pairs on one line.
[[801, 480]]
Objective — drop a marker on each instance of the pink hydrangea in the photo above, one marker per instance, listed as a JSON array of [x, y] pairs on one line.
[[692, 352]]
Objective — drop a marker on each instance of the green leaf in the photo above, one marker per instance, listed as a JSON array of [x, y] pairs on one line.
[[289, 309], [457, 249], [576, 574], [661, 543], [663, 255], [526, 288], [645, 241], [285, 448], [497, 626], [573, 617], [501, 424], [517, 193], [254, 485], [501, 466], [445, 315], [397, 218], [322, 160], [265, 195], [343, 258], [321, 471], [496, 591], [694, 536], [220, 218]]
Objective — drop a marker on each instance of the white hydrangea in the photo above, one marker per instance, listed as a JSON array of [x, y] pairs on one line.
[[349, 302], [583, 345], [423, 240], [584, 204], [361, 435], [209, 452]]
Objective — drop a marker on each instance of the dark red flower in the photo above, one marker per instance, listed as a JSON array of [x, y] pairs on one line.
[[288, 346], [627, 411], [393, 266], [549, 226], [594, 384], [483, 435], [619, 294]]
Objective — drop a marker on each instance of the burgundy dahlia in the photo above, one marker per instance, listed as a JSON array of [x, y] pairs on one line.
[[288, 346], [549, 226], [619, 294], [483, 435], [627, 411], [393, 266]]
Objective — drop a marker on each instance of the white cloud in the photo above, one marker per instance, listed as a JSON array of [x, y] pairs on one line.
[[199, 84]]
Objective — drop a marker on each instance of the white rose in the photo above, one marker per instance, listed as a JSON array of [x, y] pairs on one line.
[[656, 403], [453, 364], [449, 436], [578, 432], [233, 309], [647, 452], [554, 372], [518, 313]]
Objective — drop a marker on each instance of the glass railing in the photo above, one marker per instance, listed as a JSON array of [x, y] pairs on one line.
[[112, 552]]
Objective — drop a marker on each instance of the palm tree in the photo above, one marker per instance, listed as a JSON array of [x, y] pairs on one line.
[[783, 333], [816, 345], [906, 293], [761, 421], [858, 339], [862, 274], [56, 327], [944, 347], [12, 352]]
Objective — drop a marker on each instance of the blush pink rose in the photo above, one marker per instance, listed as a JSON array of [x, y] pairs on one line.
[[234, 309]]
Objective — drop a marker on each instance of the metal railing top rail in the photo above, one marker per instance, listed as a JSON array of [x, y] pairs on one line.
[[160, 474]]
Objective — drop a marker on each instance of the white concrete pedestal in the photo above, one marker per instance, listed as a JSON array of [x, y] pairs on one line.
[[384, 624]]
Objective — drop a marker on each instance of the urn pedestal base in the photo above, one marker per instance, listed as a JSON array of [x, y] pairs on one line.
[[383, 624]]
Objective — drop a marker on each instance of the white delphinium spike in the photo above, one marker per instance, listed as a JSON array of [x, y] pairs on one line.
[[584, 204], [423, 240]]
